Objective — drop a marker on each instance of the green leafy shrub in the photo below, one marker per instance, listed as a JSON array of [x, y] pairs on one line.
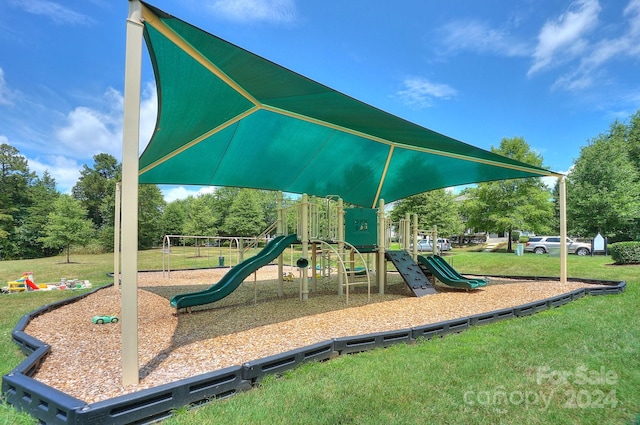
[[625, 252]]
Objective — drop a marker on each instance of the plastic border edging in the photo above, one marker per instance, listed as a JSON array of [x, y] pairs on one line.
[[159, 402], [355, 344], [255, 370], [51, 406]]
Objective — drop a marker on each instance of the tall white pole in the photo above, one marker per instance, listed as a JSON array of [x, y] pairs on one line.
[[116, 240], [130, 136], [414, 238], [563, 228], [280, 231], [304, 295], [380, 269], [340, 233], [406, 231]]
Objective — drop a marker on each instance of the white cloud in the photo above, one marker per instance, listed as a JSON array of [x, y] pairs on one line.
[[599, 54], [172, 193], [420, 92], [275, 11], [6, 95], [563, 38], [64, 170], [54, 11], [477, 36], [88, 132], [148, 114]]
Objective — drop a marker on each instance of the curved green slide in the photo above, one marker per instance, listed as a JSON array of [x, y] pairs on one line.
[[453, 272], [236, 275], [447, 274]]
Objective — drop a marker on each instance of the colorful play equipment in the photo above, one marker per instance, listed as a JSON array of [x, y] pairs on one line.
[[25, 283]]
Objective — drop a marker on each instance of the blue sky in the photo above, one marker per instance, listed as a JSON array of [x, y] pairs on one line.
[[555, 73]]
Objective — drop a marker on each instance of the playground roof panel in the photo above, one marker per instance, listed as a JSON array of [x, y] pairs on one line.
[[227, 117]]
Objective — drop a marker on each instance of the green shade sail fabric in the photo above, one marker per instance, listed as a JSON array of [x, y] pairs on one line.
[[227, 117]]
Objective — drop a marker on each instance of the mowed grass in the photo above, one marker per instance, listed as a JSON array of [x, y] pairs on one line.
[[576, 364]]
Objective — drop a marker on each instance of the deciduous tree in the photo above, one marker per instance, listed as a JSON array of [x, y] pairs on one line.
[[434, 208], [603, 188], [67, 225], [96, 187], [246, 217], [508, 205]]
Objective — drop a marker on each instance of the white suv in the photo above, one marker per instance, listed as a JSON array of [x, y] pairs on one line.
[[542, 245], [425, 245]]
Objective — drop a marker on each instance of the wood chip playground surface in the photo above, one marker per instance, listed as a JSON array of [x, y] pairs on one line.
[[251, 323]]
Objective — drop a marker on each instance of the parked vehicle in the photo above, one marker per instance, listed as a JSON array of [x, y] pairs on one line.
[[543, 244], [424, 245]]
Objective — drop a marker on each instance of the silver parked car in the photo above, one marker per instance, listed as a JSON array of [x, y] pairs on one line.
[[542, 245], [425, 245]]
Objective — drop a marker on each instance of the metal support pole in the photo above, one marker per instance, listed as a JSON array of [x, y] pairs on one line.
[[314, 267], [563, 228], [116, 241], [380, 269], [434, 240], [280, 231], [130, 136], [415, 237], [340, 235], [405, 233], [304, 293]]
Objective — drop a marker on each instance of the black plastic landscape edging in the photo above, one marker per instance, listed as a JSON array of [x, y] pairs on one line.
[[53, 407]]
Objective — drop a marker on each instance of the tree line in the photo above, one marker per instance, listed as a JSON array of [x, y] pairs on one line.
[[603, 195], [37, 221]]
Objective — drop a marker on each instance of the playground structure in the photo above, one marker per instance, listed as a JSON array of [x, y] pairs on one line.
[[329, 236], [320, 232]]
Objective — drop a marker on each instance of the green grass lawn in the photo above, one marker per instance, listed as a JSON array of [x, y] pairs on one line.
[[579, 363]]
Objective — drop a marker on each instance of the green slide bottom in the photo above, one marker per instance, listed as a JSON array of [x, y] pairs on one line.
[[236, 275], [447, 275]]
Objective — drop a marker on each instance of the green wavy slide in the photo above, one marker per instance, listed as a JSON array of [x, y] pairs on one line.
[[232, 280], [447, 274]]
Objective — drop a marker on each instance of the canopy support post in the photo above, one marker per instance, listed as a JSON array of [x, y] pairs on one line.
[[116, 239], [130, 140], [340, 235], [380, 272], [414, 238], [563, 228], [280, 231], [304, 293]]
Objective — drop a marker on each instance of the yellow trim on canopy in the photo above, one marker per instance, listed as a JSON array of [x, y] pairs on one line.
[[198, 139], [407, 147], [153, 20], [384, 175]]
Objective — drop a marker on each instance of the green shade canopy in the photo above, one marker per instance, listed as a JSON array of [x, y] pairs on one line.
[[227, 117]]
